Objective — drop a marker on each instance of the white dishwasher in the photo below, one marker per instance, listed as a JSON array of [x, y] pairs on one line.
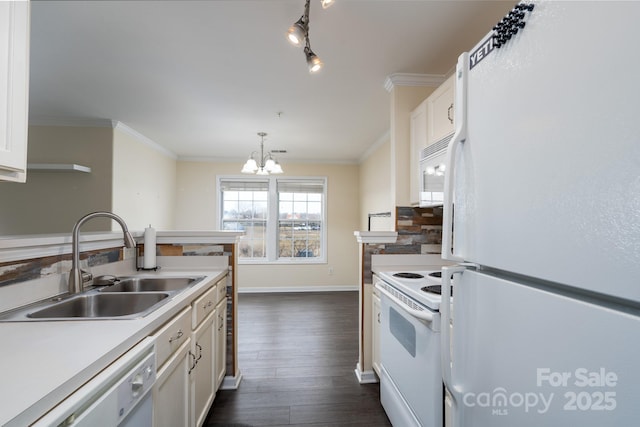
[[120, 395]]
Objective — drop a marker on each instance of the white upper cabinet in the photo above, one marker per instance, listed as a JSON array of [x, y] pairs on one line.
[[14, 89], [440, 112], [417, 141]]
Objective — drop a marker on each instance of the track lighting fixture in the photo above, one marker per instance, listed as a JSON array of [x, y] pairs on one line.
[[268, 164], [299, 33], [313, 62]]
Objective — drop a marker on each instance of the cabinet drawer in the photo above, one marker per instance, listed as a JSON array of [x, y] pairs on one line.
[[222, 289], [204, 305], [171, 336]]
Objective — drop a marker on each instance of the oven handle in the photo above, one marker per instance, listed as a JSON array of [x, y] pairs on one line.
[[427, 316]]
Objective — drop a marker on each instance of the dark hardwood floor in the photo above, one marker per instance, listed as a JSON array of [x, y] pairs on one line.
[[297, 353]]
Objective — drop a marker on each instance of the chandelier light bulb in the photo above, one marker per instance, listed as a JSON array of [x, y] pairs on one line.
[[269, 165], [277, 168], [250, 166]]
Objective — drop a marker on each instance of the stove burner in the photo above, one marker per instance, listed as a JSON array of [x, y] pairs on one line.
[[409, 275], [435, 289], [436, 274]]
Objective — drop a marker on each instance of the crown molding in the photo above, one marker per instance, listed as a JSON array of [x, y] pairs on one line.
[[377, 144], [71, 121], [409, 79], [143, 139], [100, 123]]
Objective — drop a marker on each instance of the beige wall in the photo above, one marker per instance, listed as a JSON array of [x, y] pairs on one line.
[[375, 188], [144, 184], [404, 99], [51, 202], [197, 207]]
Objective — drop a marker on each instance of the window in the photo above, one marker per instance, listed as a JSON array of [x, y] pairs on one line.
[[283, 218]]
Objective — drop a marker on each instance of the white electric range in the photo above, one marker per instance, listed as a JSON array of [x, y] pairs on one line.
[[421, 286], [411, 376]]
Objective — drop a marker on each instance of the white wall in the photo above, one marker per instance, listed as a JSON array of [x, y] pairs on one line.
[[197, 206], [51, 202], [375, 188], [144, 182]]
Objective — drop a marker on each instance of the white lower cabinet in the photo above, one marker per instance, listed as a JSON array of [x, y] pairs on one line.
[[171, 391], [221, 342], [191, 360], [201, 377], [201, 374], [375, 333]]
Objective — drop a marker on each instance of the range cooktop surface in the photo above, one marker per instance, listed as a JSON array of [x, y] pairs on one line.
[[422, 286]]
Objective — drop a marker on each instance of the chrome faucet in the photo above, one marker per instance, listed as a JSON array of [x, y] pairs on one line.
[[76, 275]]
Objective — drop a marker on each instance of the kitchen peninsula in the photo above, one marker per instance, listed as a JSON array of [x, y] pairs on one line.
[[46, 361]]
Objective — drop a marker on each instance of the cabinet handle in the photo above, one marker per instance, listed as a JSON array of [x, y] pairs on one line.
[[450, 113], [208, 304], [177, 336], [378, 317], [199, 352], [195, 362]]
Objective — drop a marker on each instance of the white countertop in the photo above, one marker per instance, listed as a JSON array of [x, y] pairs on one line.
[[43, 362]]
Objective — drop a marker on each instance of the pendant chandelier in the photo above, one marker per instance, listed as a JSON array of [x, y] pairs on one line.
[[268, 164], [299, 33]]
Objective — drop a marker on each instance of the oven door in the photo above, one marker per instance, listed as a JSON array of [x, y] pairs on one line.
[[411, 379]]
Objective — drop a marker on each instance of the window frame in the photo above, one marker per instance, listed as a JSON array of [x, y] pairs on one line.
[[272, 240]]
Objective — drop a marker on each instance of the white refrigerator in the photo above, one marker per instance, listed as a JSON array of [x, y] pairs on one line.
[[542, 216]]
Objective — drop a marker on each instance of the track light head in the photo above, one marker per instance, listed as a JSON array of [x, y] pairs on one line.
[[313, 62], [297, 32]]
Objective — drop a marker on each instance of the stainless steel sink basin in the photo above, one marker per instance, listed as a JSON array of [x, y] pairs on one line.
[[130, 297], [101, 306], [152, 284]]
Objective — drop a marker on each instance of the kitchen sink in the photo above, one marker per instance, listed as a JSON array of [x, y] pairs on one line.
[[130, 297], [101, 306], [152, 284]]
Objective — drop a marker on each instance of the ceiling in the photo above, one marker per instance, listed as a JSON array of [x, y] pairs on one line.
[[201, 78]]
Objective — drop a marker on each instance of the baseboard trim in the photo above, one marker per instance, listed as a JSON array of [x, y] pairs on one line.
[[365, 377], [249, 290], [231, 382]]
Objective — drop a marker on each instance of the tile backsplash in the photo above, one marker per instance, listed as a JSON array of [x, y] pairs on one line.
[[30, 269], [419, 232]]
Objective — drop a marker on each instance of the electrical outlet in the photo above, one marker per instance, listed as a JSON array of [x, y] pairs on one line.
[[330, 271]]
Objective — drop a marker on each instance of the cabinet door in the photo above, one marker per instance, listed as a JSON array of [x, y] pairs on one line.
[[375, 340], [201, 375], [14, 89], [417, 141], [171, 390], [172, 335], [440, 111], [221, 342]]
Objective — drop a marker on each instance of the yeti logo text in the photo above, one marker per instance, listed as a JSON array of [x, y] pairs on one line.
[[480, 53]]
